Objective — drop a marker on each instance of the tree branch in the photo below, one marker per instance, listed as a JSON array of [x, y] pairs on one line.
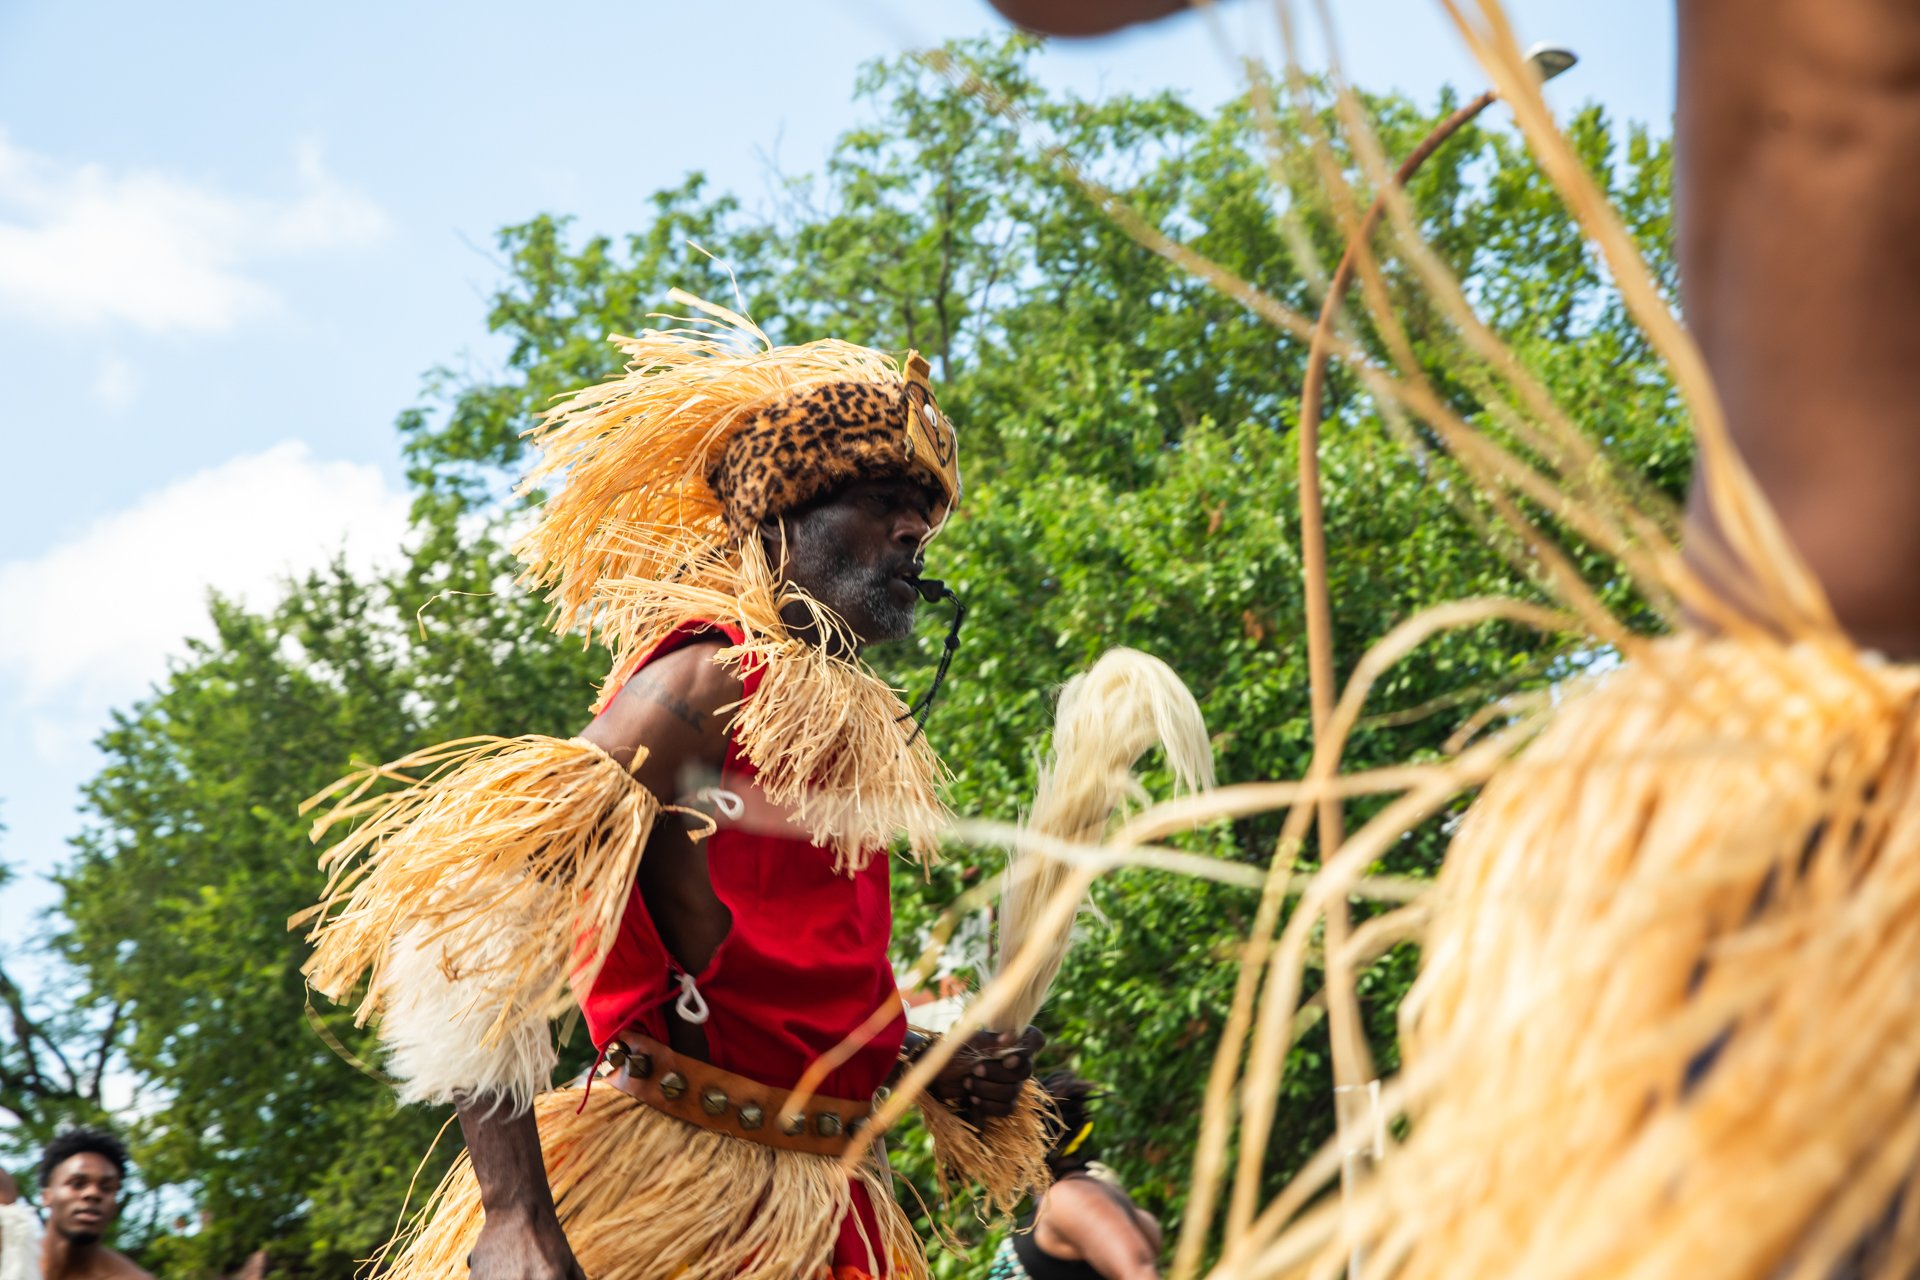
[[104, 1051], [26, 1031]]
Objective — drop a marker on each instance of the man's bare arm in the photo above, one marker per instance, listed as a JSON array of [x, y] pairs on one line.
[[1086, 1222], [1796, 138], [669, 717], [521, 1237], [673, 708]]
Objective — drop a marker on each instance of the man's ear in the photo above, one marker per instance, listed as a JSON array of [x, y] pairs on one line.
[[773, 540]]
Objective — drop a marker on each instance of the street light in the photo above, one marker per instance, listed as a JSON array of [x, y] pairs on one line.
[[1549, 60], [1356, 1092]]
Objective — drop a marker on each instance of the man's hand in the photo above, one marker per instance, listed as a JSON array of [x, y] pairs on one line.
[[984, 1077], [523, 1245]]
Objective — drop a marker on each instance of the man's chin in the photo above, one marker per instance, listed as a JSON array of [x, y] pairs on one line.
[[886, 628], [890, 611], [83, 1236]]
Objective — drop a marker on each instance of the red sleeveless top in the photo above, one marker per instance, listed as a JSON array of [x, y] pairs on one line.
[[804, 965]]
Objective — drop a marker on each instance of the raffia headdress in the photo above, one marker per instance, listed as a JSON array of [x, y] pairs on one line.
[[711, 428]]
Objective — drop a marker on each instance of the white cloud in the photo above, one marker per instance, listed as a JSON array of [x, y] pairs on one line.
[[82, 245], [92, 622], [114, 384]]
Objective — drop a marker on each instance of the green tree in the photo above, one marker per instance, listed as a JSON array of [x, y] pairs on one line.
[[54, 1057], [177, 899]]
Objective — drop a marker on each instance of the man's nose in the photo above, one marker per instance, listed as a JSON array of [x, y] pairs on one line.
[[910, 529]]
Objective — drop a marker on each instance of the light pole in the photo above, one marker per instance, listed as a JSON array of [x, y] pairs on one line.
[[1355, 1089]]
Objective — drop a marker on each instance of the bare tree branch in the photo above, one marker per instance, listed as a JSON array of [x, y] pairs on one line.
[[104, 1050], [25, 1032]]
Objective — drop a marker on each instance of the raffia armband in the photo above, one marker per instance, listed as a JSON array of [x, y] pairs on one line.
[[473, 901]]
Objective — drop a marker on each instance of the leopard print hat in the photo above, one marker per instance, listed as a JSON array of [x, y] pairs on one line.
[[810, 441], [711, 428]]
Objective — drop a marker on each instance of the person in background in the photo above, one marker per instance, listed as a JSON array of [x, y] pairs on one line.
[[19, 1232], [82, 1172], [1085, 1226]]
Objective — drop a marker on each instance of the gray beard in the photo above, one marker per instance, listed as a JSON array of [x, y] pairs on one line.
[[863, 598], [892, 620]]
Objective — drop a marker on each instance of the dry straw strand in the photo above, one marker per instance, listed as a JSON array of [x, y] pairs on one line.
[[1642, 926]]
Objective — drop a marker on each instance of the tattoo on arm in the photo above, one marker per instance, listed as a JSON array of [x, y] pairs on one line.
[[660, 695]]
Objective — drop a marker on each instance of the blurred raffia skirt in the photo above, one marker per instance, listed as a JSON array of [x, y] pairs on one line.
[[1668, 1021]]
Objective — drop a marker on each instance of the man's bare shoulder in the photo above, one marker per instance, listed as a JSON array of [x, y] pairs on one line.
[[122, 1267], [695, 672], [106, 1264], [687, 684], [675, 707]]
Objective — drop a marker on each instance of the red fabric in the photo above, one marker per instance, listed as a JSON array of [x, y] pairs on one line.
[[859, 1253], [804, 965]]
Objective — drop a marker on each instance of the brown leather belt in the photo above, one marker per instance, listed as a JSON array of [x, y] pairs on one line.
[[702, 1094]]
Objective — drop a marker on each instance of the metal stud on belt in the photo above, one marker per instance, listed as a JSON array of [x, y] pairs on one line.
[[620, 1054]]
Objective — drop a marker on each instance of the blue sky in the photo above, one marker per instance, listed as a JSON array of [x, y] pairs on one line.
[[233, 236]]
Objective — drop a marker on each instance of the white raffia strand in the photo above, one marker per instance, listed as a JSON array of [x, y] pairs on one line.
[[1108, 717]]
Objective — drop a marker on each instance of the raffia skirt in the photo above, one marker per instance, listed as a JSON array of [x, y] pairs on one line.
[[644, 1196], [1668, 1023]]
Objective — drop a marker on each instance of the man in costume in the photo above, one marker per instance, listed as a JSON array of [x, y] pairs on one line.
[[703, 870]]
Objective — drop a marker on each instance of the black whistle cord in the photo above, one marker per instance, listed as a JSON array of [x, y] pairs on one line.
[[932, 590]]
